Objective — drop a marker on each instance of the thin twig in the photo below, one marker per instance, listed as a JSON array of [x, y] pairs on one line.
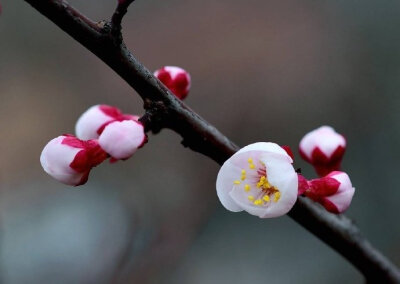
[[163, 110], [119, 13]]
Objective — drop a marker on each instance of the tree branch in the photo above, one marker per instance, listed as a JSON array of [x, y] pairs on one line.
[[163, 110]]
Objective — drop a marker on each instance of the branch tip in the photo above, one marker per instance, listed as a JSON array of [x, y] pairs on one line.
[[119, 13]]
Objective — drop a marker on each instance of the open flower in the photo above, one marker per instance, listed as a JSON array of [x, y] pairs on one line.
[[121, 139], [69, 160], [333, 191], [176, 79], [93, 121], [324, 149], [259, 179]]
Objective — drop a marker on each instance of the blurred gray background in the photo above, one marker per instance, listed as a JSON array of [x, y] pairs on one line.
[[262, 71]]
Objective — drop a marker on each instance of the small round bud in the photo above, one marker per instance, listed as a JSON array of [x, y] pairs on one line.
[[69, 160], [121, 139], [176, 79], [334, 191], [324, 149]]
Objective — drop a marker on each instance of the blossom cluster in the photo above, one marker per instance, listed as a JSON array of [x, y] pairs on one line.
[[103, 132], [261, 180]]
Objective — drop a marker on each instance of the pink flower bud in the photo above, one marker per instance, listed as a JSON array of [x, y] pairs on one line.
[[69, 160], [121, 139], [333, 191], [176, 79], [93, 121], [324, 149], [259, 179]]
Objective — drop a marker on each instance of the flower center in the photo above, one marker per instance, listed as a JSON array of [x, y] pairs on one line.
[[256, 184]]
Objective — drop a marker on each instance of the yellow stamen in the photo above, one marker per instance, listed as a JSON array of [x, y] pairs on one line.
[[250, 160], [236, 182], [258, 202], [266, 198], [277, 196], [252, 166], [243, 172], [243, 177], [247, 187], [261, 182], [250, 197]]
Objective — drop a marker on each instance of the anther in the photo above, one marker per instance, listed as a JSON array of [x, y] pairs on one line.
[[277, 196]]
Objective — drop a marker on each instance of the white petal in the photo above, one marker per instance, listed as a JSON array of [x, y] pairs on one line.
[[89, 122], [121, 139], [282, 175], [227, 174], [342, 199], [174, 71], [56, 158], [343, 178], [240, 197], [266, 147]]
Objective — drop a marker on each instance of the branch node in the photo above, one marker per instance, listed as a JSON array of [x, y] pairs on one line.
[[155, 117]]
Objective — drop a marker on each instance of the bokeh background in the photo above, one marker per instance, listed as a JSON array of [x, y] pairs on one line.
[[262, 71]]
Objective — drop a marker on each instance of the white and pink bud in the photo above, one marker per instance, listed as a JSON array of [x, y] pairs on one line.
[[324, 149], [258, 179], [121, 139], [333, 191], [176, 79], [69, 159], [93, 121]]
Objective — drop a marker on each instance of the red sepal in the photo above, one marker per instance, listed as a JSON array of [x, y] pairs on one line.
[[115, 113], [324, 165], [90, 156], [324, 186], [288, 151], [302, 184], [329, 206]]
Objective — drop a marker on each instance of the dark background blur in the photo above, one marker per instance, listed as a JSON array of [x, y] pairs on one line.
[[261, 71]]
